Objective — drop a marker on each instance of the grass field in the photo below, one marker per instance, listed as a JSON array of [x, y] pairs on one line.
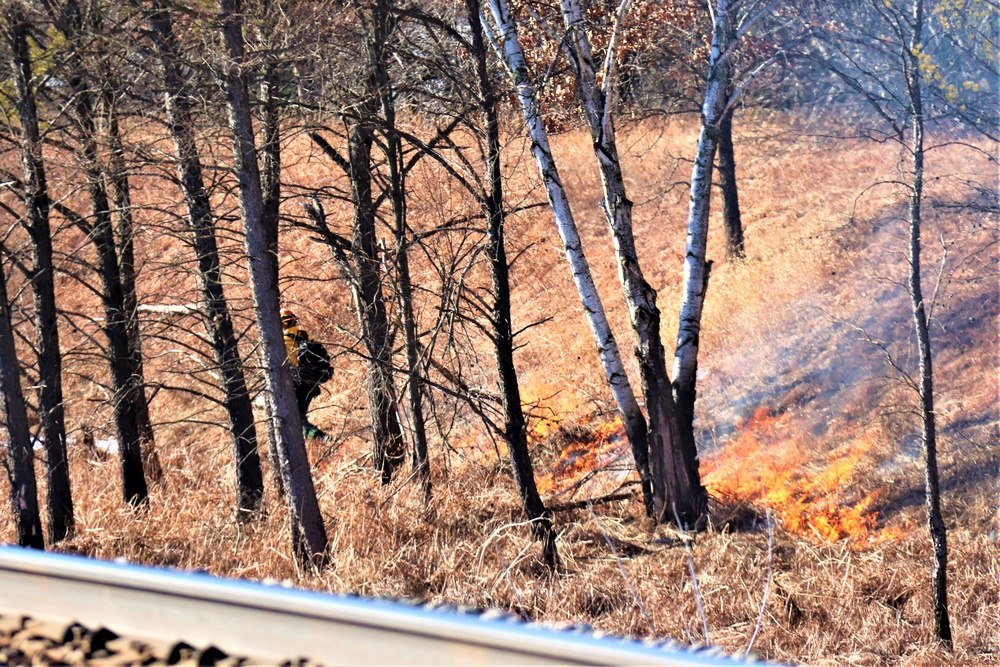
[[817, 547]]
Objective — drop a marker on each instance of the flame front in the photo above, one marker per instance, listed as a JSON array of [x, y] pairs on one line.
[[809, 494]]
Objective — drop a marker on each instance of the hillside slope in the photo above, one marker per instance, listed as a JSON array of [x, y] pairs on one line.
[[794, 389]]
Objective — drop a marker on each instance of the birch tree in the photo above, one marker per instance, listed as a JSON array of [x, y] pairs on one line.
[[696, 268], [504, 38], [675, 478]]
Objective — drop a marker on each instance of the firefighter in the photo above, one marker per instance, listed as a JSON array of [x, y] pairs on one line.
[[310, 364]]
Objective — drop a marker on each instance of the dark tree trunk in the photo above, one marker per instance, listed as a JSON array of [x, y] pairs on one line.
[[218, 322], [515, 426], [377, 45], [938, 533], [116, 329], [387, 436], [101, 232], [360, 265], [308, 531], [270, 161], [126, 257], [59, 499], [731, 219], [20, 463]]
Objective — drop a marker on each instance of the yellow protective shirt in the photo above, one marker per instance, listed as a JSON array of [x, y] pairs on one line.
[[291, 345]]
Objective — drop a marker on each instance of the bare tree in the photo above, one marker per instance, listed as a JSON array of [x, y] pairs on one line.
[[379, 40], [308, 531], [892, 59], [72, 21], [20, 459], [675, 481], [59, 498], [117, 175], [504, 38], [217, 319], [515, 424]]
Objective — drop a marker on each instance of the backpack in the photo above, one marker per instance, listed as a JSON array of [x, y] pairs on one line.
[[314, 362]]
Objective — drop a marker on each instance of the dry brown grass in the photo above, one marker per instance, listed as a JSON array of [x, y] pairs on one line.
[[780, 331]]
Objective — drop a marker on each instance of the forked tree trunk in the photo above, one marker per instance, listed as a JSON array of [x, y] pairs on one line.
[[20, 463], [676, 489], [938, 534], [696, 268], [512, 55], [515, 425], [59, 498], [125, 383], [732, 221], [218, 322], [308, 531]]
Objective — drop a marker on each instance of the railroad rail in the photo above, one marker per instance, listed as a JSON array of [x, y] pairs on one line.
[[275, 625]]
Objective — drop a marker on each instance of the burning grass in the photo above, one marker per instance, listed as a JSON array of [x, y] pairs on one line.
[[812, 494], [805, 435]]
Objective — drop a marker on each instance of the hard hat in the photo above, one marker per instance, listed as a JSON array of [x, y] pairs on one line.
[[287, 317]]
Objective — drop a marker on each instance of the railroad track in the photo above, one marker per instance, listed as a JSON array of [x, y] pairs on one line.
[[239, 622]]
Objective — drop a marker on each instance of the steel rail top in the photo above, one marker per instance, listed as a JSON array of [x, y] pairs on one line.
[[275, 624]]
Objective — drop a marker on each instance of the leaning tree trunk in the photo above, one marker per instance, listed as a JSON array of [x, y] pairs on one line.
[[377, 44], [512, 54], [731, 219], [939, 543], [122, 196], [695, 267], [308, 531], [270, 179], [515, 425], [20, 463], [218, 322], [676, 489], [59, 498]]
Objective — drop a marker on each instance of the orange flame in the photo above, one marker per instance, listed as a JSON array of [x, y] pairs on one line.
[[809, 494], [605, 445]]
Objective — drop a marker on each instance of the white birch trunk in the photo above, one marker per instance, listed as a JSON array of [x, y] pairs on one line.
[[676, 484], [695, 268], [512, 54]]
